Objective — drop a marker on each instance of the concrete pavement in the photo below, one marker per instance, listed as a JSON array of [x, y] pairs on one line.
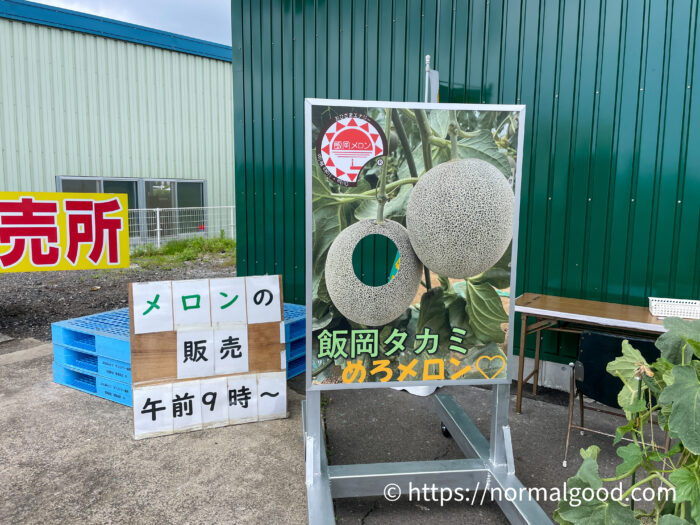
[[69, 457], [66, 456]]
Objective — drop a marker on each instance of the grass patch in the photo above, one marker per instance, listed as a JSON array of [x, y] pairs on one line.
[[177, 253]]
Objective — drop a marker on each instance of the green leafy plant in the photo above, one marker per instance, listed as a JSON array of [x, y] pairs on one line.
[[424, 139], [660, 397]]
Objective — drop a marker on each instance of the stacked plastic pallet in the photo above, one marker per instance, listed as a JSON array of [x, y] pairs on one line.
[[93, 353], [295, 337]]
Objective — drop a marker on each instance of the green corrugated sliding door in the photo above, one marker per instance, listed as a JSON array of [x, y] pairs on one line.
[[611, 170]]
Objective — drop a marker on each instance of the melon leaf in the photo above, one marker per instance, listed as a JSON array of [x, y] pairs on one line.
[[684, 397], [687, 486], [574, 509], [481, 146], [625, 368], [434, 316], [486, 313], [440, 122]]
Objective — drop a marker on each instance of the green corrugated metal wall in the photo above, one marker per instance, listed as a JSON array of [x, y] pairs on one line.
[[611, 171]]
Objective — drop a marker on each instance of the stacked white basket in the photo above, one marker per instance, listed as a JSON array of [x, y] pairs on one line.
[[685, 308]]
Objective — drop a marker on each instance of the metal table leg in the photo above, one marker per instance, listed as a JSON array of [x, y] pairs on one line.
[[521, 363], [536, 370]]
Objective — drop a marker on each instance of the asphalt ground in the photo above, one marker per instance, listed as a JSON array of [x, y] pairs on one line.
[[387, 425], [68, 457]]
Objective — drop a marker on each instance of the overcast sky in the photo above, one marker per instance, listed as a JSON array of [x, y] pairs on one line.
[[205, 19]]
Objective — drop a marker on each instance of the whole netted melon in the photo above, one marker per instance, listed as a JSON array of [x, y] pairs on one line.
[[371, 305], [460, 217]]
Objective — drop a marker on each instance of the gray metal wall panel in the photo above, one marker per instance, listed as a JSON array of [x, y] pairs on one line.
[[78, 104]]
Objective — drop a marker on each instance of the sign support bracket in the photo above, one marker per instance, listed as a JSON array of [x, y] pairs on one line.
[[492, 468]]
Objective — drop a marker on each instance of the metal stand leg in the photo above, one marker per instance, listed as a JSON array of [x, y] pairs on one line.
[[499, 419], [318, 489], [492, 469], [497, 456]]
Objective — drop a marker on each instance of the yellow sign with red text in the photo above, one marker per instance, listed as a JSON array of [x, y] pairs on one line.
[[63, 231]]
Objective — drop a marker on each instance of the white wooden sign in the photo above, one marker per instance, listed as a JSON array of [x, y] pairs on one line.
[[214, 393], [162, 306], [272, 392], [153, 415], [191, 305], [192, 405], [263, 299], [153, 307], [187, 406], [218, 324], [195, 353], [228, 301], [231, 349], [242, 398]]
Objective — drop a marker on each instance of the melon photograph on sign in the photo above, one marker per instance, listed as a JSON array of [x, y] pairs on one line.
[[412, 217]]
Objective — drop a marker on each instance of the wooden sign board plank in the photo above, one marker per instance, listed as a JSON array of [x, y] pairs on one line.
[[154, 355], [264, 347]]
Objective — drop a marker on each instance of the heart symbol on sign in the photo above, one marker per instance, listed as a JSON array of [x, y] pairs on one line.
[[491, 359]]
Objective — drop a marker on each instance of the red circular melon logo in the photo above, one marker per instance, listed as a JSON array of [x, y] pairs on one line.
[[346, 144]]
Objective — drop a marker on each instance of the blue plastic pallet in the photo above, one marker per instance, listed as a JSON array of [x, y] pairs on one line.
[[93, 384], [296, 367], [88, 363], [100, 342], [294, 322], [105, 334], [295, 336], [296, 349]]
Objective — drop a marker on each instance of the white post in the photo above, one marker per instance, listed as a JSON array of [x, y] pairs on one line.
[[427, 78], [157, 227], [233, 224]]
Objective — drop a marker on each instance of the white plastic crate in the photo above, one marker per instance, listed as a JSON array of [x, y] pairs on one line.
[[685, 308]]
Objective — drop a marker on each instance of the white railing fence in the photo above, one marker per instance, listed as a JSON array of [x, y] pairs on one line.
[[157, 226]]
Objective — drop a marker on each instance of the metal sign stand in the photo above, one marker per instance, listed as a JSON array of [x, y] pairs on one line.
[[488, 465]]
